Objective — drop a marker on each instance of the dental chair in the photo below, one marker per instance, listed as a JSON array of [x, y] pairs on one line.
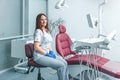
[[63, 47], [29, 48], [105, 66]]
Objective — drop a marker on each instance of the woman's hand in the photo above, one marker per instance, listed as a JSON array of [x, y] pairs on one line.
[[51, 54]]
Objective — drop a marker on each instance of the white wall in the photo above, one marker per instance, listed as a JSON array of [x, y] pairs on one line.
[[111, 20], [10, 12], [35, 7], [10, 25], [11, 16], [76, 22]]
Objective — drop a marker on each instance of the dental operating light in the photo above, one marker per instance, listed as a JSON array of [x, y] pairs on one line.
[[111, 36], [60, 4]]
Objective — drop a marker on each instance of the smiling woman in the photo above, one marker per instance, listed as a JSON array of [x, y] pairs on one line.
[[43, 52]]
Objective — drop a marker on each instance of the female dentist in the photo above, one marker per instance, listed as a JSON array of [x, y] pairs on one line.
[[43, 53]]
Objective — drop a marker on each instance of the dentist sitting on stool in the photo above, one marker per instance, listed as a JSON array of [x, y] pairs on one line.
[[43, 53]]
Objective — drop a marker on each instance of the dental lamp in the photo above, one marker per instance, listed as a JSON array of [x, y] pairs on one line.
[[111, 36], [107, 39], [60, 4]]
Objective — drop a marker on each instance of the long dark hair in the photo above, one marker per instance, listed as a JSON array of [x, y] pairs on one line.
[[38, 22]]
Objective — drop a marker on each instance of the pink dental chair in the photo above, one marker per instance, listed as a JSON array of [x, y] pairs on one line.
[[105, 66]]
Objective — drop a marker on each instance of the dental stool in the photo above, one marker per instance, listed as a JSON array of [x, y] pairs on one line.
[[29, 48]]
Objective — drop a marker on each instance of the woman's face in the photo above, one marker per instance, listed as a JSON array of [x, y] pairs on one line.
[[43, 21]]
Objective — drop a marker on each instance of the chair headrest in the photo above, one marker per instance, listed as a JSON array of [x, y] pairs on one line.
[[62, 29]]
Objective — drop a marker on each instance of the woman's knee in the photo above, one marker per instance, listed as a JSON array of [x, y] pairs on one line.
[[62, 65], [65, 62]]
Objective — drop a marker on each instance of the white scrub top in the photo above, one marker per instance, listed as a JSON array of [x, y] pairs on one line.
[[45, 40]]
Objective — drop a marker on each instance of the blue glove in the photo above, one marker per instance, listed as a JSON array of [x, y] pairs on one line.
[[49, 55], [52, 53]]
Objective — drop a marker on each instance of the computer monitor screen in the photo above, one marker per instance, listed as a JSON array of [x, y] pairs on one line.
[[90, 20]]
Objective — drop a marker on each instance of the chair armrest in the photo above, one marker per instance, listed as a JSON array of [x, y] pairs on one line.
[[73, 52], [73, 45]]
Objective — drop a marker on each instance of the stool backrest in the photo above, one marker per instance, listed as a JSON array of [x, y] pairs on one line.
[[29, 49]]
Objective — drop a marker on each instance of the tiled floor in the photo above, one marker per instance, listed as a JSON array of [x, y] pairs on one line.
[[47, 73]]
